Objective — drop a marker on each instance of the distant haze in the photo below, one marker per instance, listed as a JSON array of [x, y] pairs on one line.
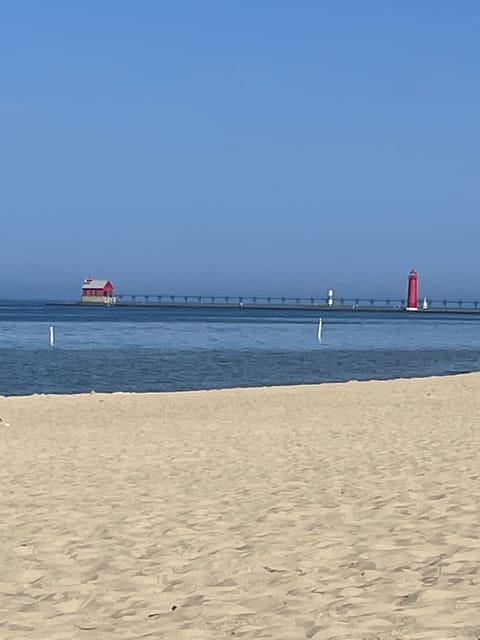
[[240, 148]]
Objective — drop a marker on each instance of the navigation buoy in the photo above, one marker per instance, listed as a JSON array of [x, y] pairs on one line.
[[52, 336], [320, 327], [412, 297]]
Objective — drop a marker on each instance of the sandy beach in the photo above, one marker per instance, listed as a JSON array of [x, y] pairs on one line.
[[333, 511]]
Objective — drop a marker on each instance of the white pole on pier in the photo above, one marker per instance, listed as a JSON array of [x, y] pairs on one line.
[[330, 297], [320, 327], [52, 336]]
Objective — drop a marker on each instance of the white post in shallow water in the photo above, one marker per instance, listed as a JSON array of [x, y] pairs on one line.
[[320, 327], [52, 336]]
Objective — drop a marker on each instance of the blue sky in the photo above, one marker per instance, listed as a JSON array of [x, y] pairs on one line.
[[221, 147]]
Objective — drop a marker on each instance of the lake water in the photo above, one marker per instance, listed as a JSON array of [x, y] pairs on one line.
[[160, 349]]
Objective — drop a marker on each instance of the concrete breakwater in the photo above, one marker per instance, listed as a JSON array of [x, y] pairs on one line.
[[285, 304]]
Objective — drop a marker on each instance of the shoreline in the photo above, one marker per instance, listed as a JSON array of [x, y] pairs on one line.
[[93, 392]]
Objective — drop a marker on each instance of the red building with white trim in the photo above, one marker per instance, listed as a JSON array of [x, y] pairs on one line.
[[97, 291]]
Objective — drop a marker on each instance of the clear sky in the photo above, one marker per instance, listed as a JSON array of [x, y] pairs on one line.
[[240, 147]]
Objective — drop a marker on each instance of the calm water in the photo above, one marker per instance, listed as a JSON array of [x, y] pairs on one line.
[[152, 349]]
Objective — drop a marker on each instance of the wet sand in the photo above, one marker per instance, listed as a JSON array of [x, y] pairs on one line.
[[333, 511]]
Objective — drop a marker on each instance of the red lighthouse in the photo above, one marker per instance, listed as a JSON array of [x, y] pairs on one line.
[[412, 297]]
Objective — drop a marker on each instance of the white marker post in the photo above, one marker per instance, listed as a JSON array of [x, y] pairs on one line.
[[52, 336], [330, 297], [320, 326]]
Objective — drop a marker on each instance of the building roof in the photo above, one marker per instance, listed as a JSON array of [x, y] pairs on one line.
[[95, 284]]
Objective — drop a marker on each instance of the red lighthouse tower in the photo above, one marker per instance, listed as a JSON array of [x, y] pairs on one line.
[[412, 297]]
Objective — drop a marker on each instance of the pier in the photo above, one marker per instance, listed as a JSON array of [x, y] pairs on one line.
[[101, 292], [291, 303]]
